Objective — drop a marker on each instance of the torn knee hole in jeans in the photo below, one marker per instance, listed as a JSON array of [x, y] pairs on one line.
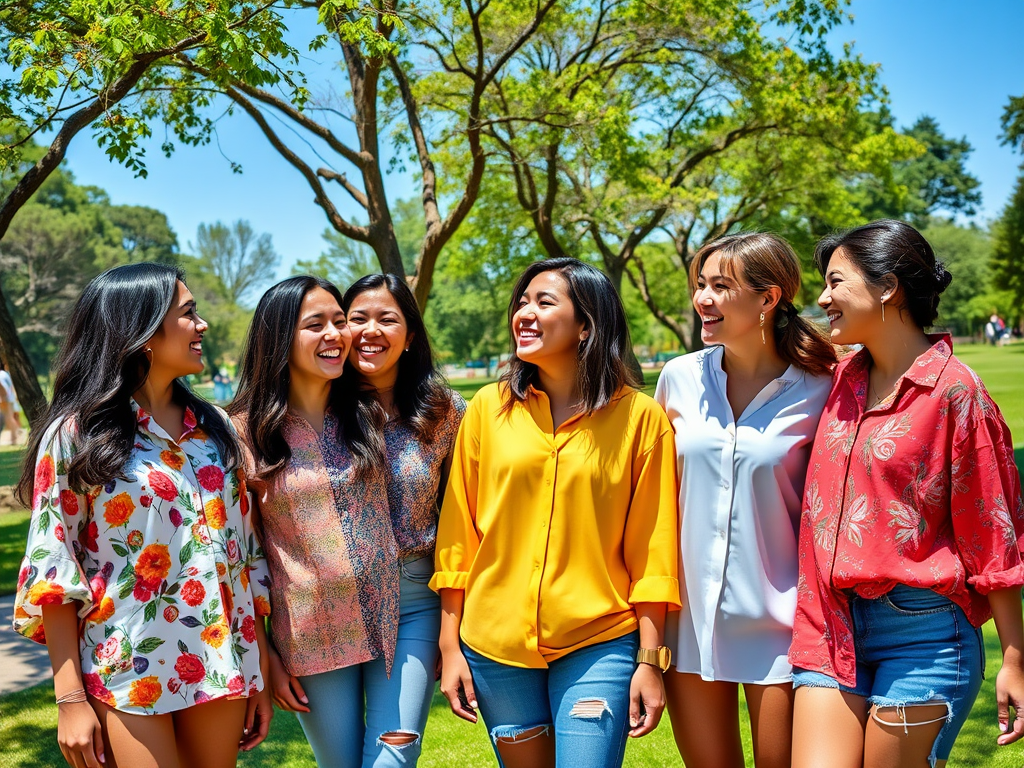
[[589, 709], [398, 739], [900, 711], [514, 735]]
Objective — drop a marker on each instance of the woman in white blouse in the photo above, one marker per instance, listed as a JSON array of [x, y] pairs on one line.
[[744, 410]]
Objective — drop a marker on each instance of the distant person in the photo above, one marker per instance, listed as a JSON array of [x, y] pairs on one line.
[[10, 408], [557, 547], [912, 526], [994, 329], [222, 386], [745, 410]]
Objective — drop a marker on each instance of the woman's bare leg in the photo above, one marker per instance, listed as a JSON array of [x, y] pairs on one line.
[[705, 720], [895, 746], [208, 734], [828, 728], [771, 724], [137, 741]]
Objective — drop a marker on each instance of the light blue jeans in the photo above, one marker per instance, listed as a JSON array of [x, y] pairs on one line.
[[351, 707], [584, 696]]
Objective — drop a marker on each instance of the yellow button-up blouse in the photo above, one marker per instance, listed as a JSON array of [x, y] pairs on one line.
[[555, 534]]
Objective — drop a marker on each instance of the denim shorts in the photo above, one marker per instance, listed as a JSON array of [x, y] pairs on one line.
[[913, 646]]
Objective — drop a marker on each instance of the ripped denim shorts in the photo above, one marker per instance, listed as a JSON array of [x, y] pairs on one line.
[[913, 646]]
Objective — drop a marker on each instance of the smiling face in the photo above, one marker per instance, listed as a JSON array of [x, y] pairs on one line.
[[177, 347], [380, 334], [852, 304], [544, 326], [322, 338], [728, 308]]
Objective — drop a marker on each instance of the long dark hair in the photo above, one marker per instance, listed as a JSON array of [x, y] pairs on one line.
[[421, 393], [893, 247], [761, 260], [101, 364], [264, 380], [601, 370]]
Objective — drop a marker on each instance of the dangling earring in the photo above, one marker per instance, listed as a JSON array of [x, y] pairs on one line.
[[883, 311], [762, 329]]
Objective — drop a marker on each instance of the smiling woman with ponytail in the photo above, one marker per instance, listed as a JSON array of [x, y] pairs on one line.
[[744, 412]]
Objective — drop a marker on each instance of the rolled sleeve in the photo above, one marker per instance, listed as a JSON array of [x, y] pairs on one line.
[[457, 536], [651, 542], [50, 573], [986, 507]]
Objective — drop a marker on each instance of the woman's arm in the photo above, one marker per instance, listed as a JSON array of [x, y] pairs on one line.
[[78, 729], [647, 689], [456, 679], [258, 709], [1006, 610]]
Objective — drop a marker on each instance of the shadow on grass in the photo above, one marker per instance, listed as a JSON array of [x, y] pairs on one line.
[[29, 732]]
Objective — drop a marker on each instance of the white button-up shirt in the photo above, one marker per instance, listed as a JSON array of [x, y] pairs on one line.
[[741, 484]]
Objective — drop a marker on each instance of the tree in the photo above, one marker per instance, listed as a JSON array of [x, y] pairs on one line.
[[1013, 122], [386, 47], [241, 260], [146, 235], [935, 180], [681, 122], [1008, 249], [76, 63], [972, 297]]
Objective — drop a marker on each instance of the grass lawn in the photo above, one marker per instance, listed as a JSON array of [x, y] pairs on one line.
[[28, 733], [10, 464]]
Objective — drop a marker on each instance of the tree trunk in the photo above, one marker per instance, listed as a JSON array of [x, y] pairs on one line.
[[23, 374]]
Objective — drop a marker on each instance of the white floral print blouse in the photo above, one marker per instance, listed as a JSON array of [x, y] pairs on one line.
[[170, 577]]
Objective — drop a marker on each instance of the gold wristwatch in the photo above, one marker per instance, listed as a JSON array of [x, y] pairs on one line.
[[659, 657]]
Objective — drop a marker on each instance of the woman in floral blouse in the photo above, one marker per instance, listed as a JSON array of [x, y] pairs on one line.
[[142, 573], [911, 533], [347, 470]]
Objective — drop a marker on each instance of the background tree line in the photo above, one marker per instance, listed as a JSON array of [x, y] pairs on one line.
[[612, 130]]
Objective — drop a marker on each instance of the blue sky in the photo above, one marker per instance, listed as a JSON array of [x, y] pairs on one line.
[[956, 61]]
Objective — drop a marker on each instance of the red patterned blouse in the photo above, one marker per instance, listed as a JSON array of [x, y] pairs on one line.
[[920, 490]]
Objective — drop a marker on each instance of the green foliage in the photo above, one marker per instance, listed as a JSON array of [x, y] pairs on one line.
[[936, 179], [61, 54], [1013, 122], [240, 260], [1008, 257]]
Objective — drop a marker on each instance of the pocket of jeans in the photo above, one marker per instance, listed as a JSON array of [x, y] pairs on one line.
[[418, 569], [911, 601]]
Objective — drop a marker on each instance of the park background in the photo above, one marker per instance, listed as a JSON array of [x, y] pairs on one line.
[[455, 142]]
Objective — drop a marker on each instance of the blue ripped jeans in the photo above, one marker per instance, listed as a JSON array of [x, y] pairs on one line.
[[514, 699], [351, 707]]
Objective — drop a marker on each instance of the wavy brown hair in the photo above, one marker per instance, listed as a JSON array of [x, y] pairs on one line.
[[760, 260]]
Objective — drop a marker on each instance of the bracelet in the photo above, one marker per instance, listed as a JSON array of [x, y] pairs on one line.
[[75, 697]]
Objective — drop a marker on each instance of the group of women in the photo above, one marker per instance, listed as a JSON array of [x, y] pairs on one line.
[[566, 554]]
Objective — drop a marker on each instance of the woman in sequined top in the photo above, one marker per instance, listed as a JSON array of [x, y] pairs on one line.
[[347, 487]]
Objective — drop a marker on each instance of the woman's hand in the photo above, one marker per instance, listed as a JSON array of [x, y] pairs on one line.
[[259, 709], [79, 735], [647, 695], [285, 689], [1010, 693], [457, 685]]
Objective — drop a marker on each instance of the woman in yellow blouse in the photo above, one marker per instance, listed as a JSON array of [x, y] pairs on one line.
[[557, 545]]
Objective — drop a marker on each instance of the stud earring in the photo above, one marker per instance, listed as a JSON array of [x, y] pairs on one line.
[[762, 329]]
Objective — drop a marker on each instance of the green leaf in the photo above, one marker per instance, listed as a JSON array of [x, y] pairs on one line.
[[39, 553], [149, 645], [119, 549], [186, 552], [150, 610]]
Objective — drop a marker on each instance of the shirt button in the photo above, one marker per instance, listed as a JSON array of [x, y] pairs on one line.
[[553, 454], [725, 484]]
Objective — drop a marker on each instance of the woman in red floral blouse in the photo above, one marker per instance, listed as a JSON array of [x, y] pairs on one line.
[[912, 525]]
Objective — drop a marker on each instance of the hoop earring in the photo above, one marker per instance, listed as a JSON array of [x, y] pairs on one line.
[[762, 329]]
